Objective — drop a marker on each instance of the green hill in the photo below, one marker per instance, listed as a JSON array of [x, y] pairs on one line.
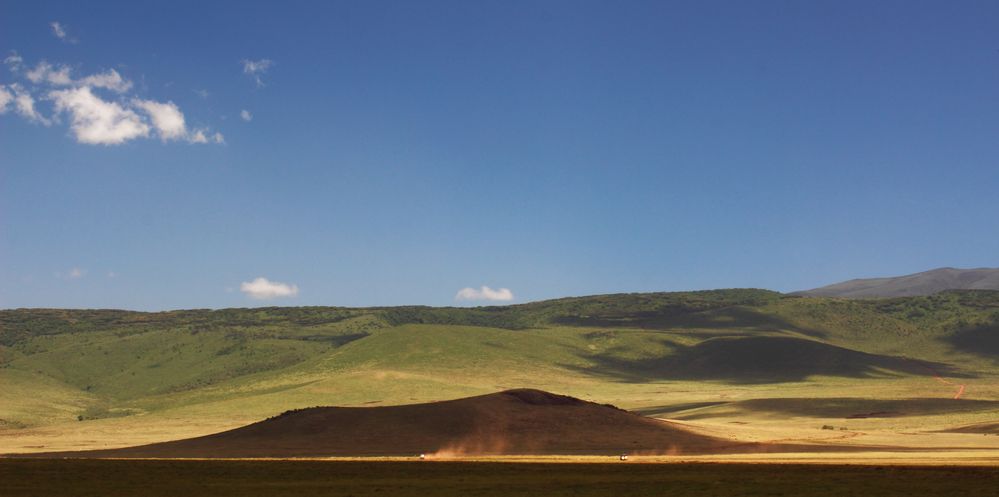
[[59, 366]]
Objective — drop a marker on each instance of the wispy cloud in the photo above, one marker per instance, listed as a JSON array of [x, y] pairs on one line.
[[47, 73], [264, 289], [484, 293], [59, 30], [13, 61], [245, 115], [256, 68], [23, 103], [6, 97], [109, 79]]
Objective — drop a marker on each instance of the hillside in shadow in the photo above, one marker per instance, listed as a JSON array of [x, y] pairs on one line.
[[760, 359], [980, 340]]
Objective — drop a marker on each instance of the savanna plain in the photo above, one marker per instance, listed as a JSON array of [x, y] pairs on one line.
[[877, 395]]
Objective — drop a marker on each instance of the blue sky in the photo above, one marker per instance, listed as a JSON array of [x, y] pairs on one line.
[[400, 152]]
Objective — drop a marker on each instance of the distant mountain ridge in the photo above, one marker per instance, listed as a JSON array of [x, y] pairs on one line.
[[925, 283]]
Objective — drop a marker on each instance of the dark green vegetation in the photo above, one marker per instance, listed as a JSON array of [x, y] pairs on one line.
[[62, 365], [401, 479]]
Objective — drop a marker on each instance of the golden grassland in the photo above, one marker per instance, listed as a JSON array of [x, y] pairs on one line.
[[899, 420]]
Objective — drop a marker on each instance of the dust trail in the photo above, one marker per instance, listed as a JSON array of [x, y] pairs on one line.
[[960, 391], [672, 450]]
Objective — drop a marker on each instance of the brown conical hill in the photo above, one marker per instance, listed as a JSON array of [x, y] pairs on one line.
[[510, 422]]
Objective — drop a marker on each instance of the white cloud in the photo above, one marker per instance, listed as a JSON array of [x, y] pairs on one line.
[[245, 115], [101, 122], [24, 104], [47, 73], [167, 118], [110, 80], [6, 97], [59, 30], [168, 121], [256, 68], [484, 293], [93, 119], [201, 93], [98, 122], [264, 289]]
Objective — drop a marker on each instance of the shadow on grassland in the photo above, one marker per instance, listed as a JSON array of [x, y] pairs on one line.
[[756, 360], [736, 317], [982, 341], [987, 428], [839, 407]]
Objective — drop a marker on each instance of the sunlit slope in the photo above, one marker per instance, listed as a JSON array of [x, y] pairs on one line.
[[105, 364]]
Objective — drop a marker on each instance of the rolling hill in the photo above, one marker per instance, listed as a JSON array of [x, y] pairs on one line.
[[92, 379], [925, 283]]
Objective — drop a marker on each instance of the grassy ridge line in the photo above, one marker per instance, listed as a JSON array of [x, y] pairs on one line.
[[17, 324], [751, 307]]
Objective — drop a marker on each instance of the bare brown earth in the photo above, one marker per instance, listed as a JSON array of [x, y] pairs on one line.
[[512, 422]]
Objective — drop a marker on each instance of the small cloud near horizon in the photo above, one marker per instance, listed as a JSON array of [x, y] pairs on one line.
[[74, 273], [263, 289], [484, 293]]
